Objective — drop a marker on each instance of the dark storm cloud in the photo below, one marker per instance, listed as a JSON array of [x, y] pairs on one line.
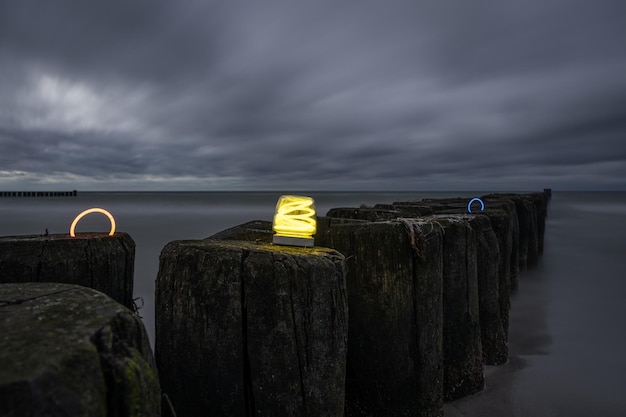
[[279, 94], [108, 38]]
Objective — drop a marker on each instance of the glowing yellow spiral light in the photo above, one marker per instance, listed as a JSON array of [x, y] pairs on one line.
[[93, 210], [294, 221]]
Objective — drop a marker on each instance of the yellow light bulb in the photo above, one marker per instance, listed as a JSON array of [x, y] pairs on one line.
[[93, 210], [294, 221]]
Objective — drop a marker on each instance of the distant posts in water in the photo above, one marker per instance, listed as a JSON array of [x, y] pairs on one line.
[[73, 193]]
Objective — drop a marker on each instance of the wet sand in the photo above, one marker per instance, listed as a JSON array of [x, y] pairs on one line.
[[567, 335]]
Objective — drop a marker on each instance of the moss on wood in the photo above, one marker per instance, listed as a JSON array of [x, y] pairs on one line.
[[70, 350]]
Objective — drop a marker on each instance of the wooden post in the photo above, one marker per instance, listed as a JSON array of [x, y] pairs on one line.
[[540, 201], [528, 227], [462, 348], [394, 282], [504, 226], [95, 260], [503, 215], [251, 329], [493, 333], [548, 193], [503, 222], [68, 350]]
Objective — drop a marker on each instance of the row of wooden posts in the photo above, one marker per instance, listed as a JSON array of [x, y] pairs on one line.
[[38, 193], [394, 311]]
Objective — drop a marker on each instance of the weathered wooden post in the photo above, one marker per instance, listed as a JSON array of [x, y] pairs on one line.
[[251, 329], [548, 193], [493, 270], [528, 228], [503, 216], [504, 225], [540, 200], [67, 350], [462, 347], [493, 252], [493, 333], [95, 260], [462, 344], [394, 282], [504, 221]]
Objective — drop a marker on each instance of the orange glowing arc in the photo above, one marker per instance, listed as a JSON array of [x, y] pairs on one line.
[[93, 210]]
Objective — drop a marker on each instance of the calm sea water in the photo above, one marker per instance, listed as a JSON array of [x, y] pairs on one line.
[[567, 336], [567, 333]]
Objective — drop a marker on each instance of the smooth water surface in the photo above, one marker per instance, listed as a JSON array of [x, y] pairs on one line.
[[567, 335]]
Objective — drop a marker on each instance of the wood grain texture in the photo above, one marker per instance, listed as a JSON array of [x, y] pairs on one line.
[[94, 260], [248, 329]]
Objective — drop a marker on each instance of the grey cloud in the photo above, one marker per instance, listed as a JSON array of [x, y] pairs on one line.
[[278, 93]]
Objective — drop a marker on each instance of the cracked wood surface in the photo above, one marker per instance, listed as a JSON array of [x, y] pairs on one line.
[[394, 283], [247, 329]]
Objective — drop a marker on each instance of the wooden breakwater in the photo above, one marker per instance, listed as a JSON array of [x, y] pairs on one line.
[[73, 193], [428, 289], [395, 311]]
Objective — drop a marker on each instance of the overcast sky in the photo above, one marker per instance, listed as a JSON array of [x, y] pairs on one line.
[[315, 95]]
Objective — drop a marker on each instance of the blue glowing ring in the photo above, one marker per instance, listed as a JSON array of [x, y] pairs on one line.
[[469, 205]]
